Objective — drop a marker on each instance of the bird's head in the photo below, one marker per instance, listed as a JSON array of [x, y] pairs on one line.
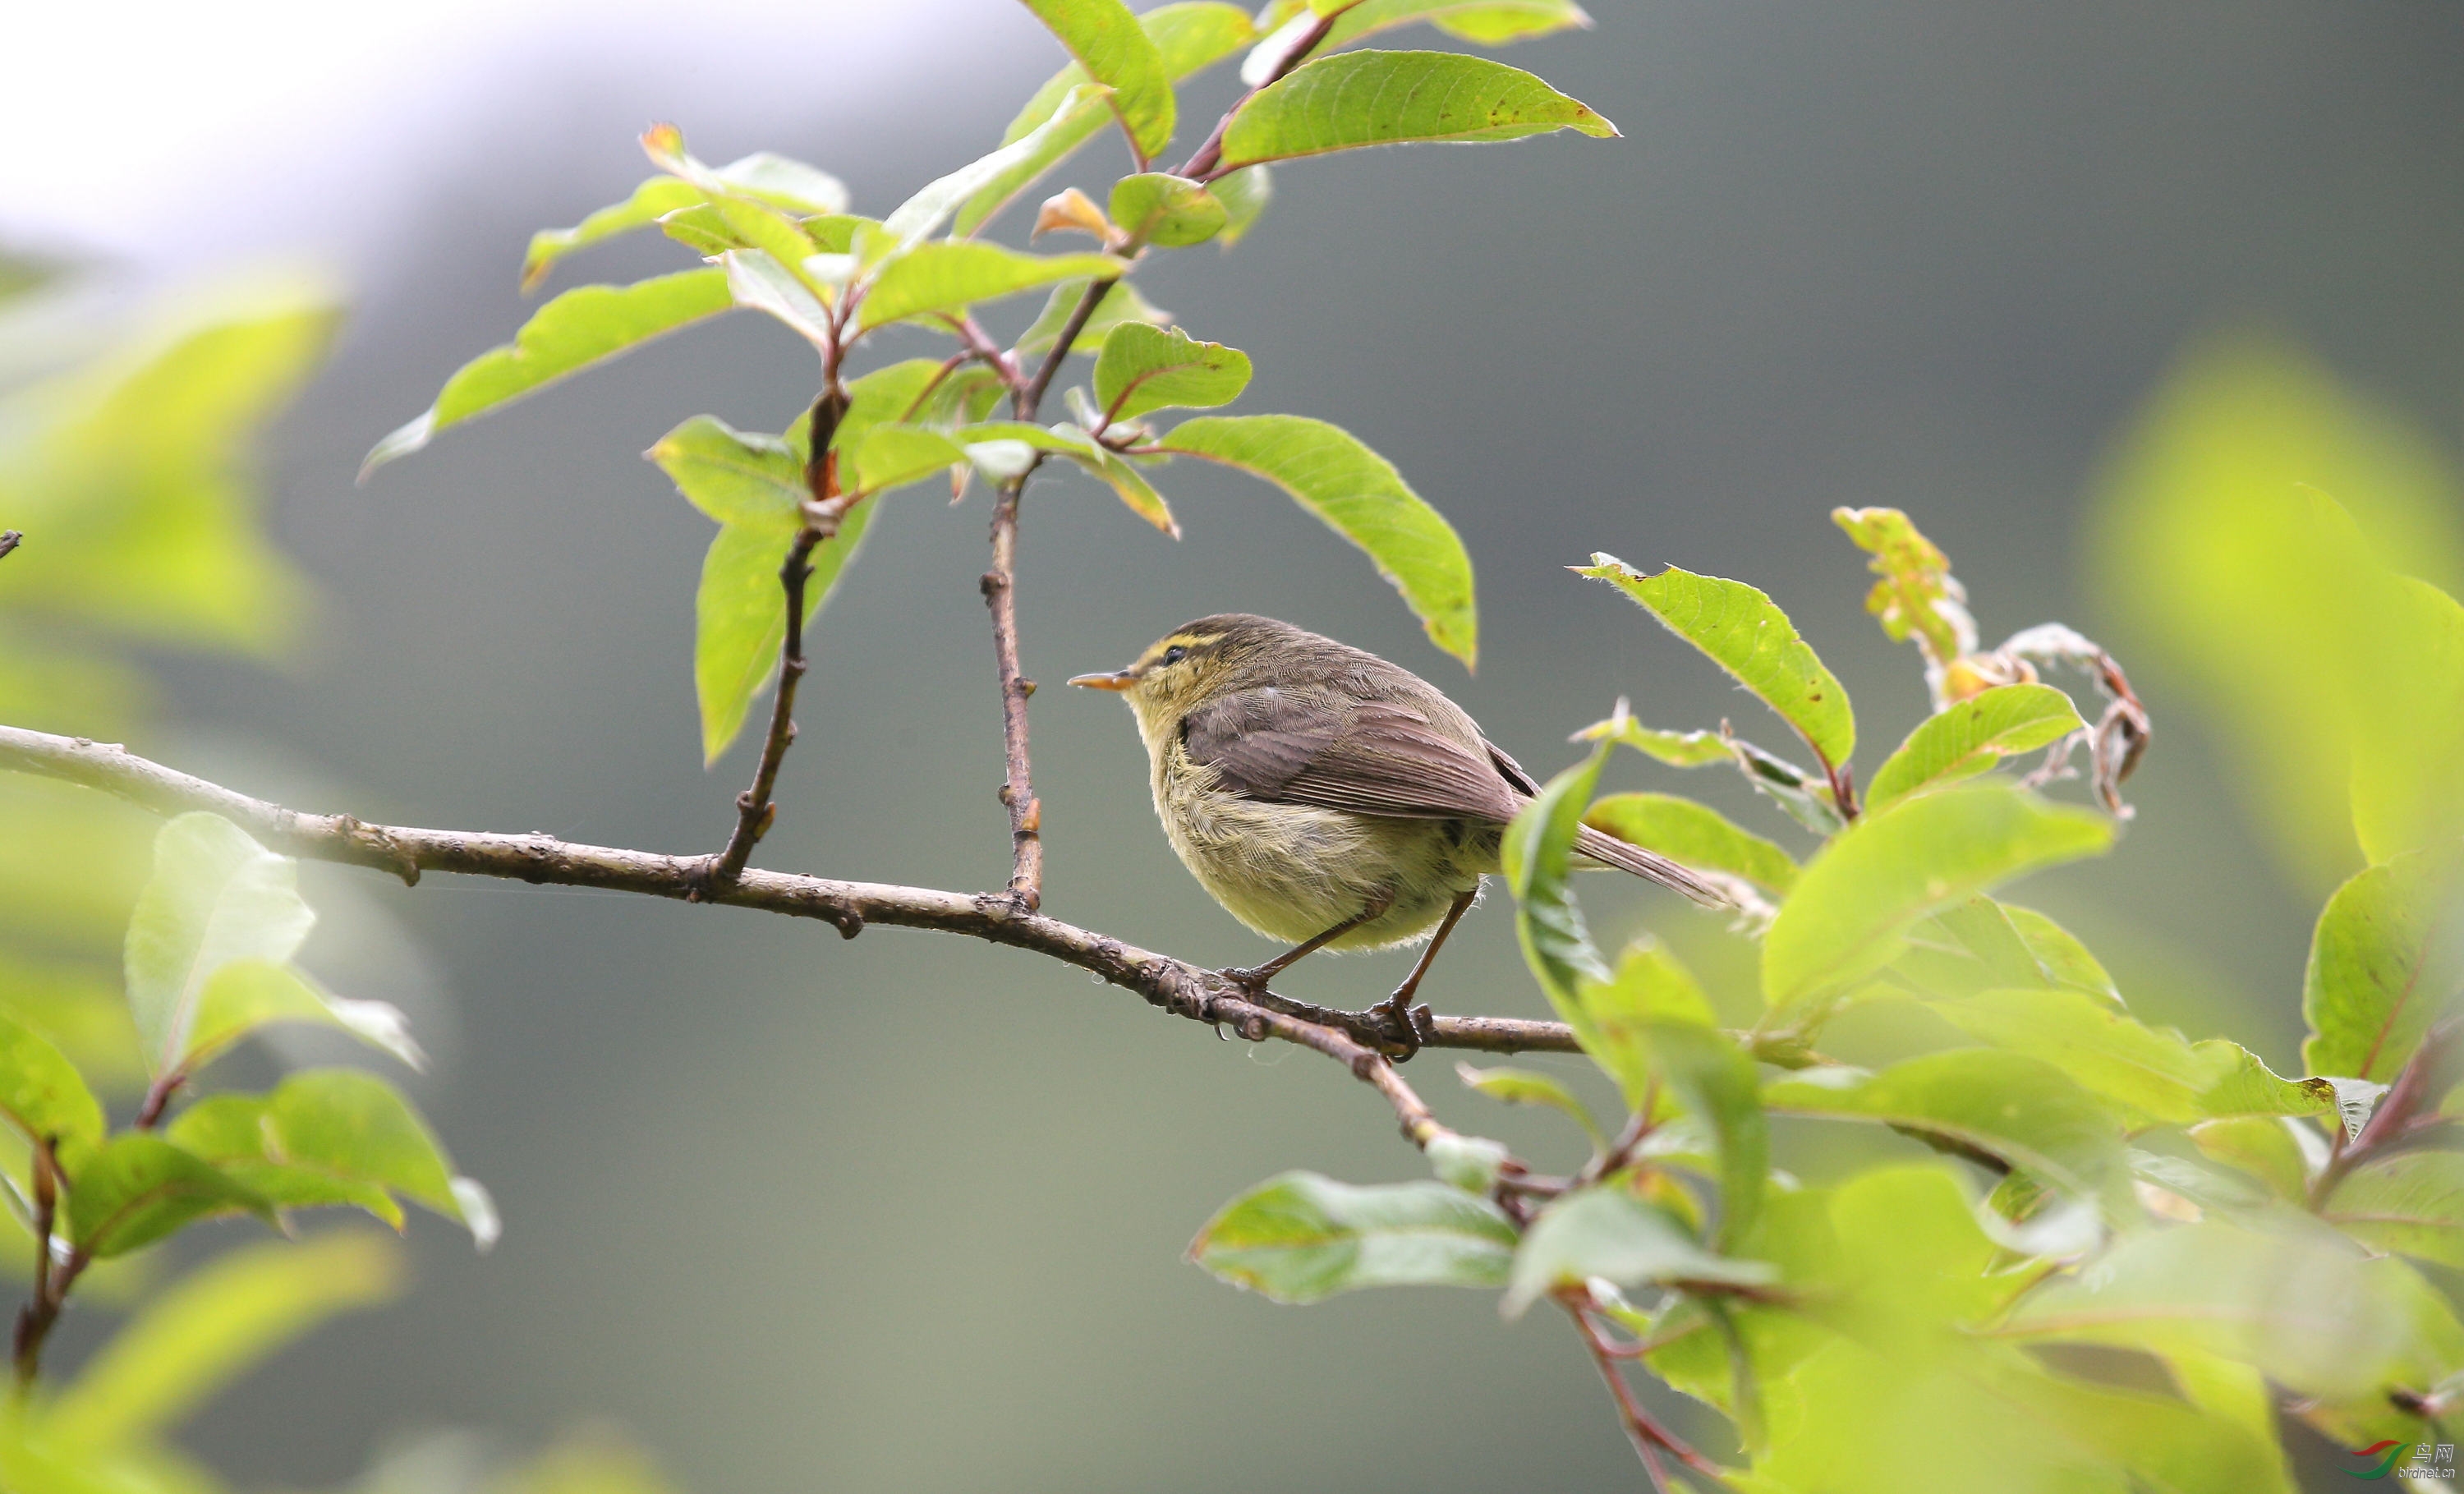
[[1190, 664]]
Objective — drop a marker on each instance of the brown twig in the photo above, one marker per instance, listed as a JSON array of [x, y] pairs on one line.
[[42, 1309], [1175, 985], [1202, 164], [10, 540], [755, 808], [1649, 1438]]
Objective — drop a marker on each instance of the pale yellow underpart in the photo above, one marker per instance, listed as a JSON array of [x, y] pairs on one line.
[[1292, 871]]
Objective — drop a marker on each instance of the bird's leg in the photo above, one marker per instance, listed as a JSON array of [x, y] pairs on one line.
[[1397, 1010], [1254, 977]]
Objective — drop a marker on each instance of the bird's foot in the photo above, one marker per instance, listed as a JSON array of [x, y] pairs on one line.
[[1252, 979], [1403, 1025]]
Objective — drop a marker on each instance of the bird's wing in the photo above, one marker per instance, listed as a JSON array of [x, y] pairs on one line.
[[1376, 759]]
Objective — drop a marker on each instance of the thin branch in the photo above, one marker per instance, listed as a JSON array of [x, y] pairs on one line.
[[1202, 166], [1177, 986], [1030, 399], [10, 540], [1000, 586], [1650, 1438], [755, 808]]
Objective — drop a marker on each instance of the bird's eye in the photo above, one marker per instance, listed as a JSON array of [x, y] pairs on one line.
[[1175, 654]]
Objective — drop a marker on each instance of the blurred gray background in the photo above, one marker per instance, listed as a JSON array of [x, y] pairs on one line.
[[907, 1213]]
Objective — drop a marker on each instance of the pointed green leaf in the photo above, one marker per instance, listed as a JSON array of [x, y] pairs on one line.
[[1609, 1233], [1490, 23], [1115, 51], [2061, 955], [1188, 37], [2021, 1110], [1300, 1238], [2154, 1072], [756, 282], [2412, 1203], [2385, 961], [740, 614], [211, 1327], [215, 897], [1695, 835], [587, 325], [1144, 369], [233, 1132], [249, 993], [1360, 497], [1747, 635], [947, 278], [1131, 484], [1853, 903], [41, 1092], [892, 454], [1972, 736], [1166, 211], [1538, 851], [775, 180], [138, 1188], [729, 476], [1524, 1086], [917, 219], [1396, 98]]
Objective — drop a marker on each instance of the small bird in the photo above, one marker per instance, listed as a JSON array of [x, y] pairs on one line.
[[1327, 798]]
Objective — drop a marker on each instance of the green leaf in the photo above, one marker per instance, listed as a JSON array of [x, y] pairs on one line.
[[1972, 736], [1853, 903], [2386, 961], [1121, 305], [1537, 851], [753, 485], [1166, 211], [249, 993], [1677, 749], [1490, 23], [915, 219], [1746, 634], [1115, 51], [2412, 1203], [2155, 1073], [1360, 497], [1695, 835], [41, 1092], [211, 1327], [1300, 1238], [1469, 1163], [756, 282], [2299, 1306], [2061, 955], [1131, 484], [1524, 1086], [733, 478], [947, 278], [1396, 98], [215, 897], [138, 1188], [1917, 596], [771, 178], [1188, 37], [2265, 1147], [1245, 195], [892, 454], [138, 477], [330, 1135], [588, 324], [741, 614], [1144, 369], [1608, 1232], [2021, 1110]]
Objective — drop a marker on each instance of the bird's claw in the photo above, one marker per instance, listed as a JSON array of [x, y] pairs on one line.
[[1404, 1027], [1252, 979]]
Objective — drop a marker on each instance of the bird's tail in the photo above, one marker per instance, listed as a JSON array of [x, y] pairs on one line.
[[1650, 865]]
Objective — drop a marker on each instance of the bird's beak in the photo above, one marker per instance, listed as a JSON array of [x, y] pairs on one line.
[[1118, 679]]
